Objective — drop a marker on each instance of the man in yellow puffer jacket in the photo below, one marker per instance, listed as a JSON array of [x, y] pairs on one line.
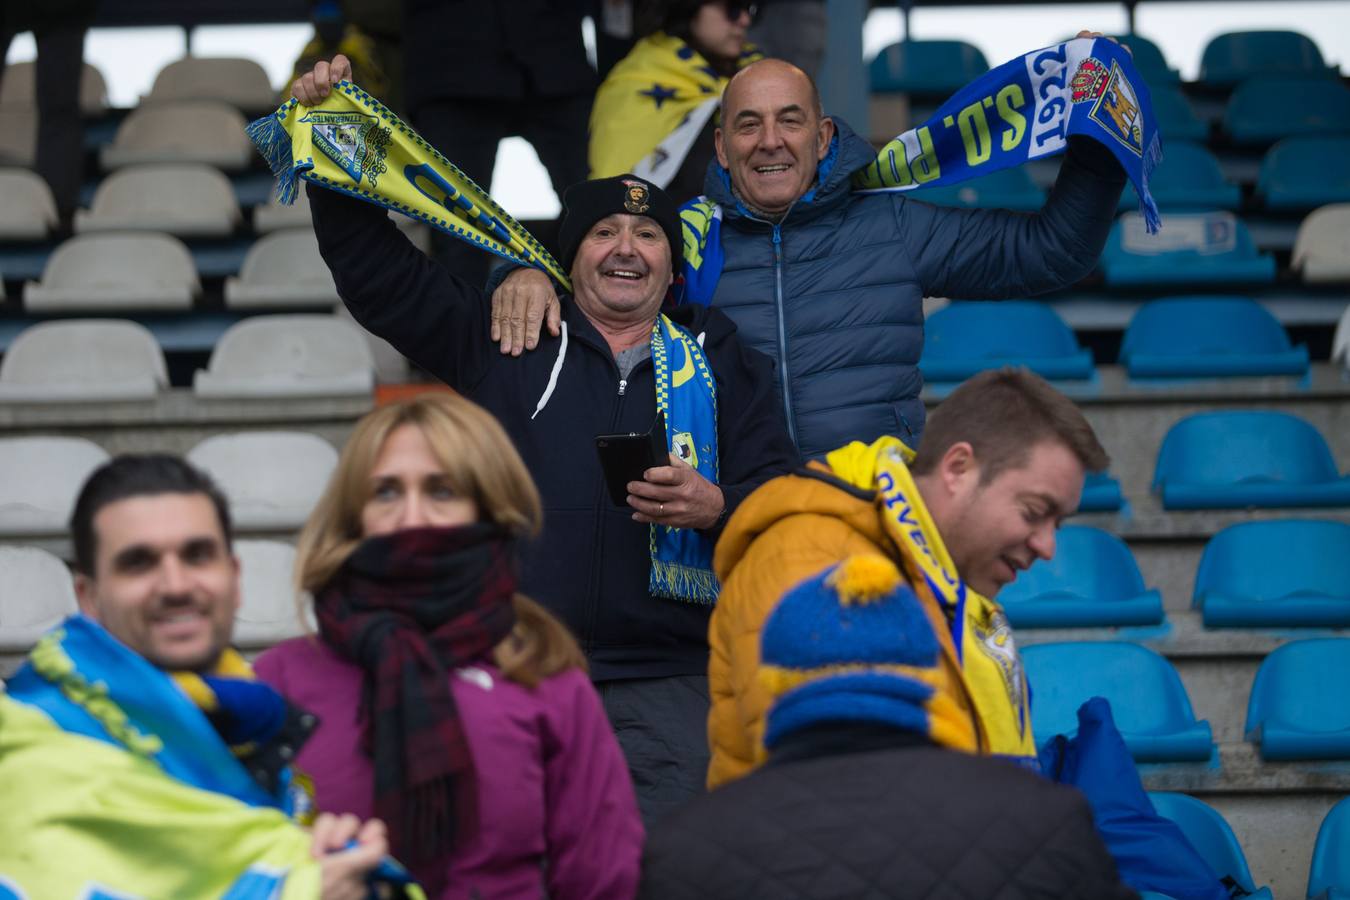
[[1000, 466]]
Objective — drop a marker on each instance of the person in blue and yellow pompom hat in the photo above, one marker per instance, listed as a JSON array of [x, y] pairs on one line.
[[866, 782], [854, 645]]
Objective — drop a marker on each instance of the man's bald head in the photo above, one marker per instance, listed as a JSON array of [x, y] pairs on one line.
[[748, 80], [773, 134]]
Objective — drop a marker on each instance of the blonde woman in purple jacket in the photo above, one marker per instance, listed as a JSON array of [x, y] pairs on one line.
[[450, 706]]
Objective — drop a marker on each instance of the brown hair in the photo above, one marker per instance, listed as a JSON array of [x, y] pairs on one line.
[[1002, 414], [481, 463]]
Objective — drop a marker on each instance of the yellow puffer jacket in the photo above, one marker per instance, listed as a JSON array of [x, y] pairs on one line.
[[787, 531]]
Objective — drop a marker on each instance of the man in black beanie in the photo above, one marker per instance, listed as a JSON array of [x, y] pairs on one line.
[[633, 580]]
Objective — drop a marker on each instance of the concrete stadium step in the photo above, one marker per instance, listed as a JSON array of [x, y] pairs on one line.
[[176, 420]]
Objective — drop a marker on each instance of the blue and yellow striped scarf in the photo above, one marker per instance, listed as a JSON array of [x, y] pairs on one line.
[[687, 393]]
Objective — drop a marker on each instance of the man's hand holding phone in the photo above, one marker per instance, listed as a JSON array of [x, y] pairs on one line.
[[675, 495]]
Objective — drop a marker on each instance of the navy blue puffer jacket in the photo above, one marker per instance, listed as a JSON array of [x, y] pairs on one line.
[[834, 292]]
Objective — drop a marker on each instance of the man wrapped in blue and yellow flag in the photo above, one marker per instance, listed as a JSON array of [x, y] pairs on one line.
[[139, 755]]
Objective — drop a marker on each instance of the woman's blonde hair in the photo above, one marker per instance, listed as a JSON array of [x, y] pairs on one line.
[[481, 464]]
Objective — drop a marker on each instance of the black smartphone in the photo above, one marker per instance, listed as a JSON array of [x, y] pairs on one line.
[[624, 457]]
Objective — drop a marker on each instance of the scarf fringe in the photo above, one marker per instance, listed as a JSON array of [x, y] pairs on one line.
[[274, 143], [681, 582], [1152, 156]]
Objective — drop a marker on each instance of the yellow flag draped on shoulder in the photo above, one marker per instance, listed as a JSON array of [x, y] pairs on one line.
[[990, 664], [353, 144], [663, 86]]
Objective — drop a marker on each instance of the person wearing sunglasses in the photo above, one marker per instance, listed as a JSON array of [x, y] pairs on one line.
[[656, 111]]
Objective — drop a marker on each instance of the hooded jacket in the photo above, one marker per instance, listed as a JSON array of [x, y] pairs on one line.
[[834, 291], [590, 564], [797, 526]]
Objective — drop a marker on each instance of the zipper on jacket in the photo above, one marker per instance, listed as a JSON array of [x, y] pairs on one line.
[[783, 372], [592, 610]]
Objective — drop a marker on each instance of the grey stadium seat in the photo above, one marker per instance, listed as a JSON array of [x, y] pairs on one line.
[[288, 356], [268, 612], [82, 359], [242, 83], [1322, 248], [281, 270], [19, 88], [38, 594], [42, 477], [272, 478], [116, 271], [201, 131], [28, 212], [189, 200]]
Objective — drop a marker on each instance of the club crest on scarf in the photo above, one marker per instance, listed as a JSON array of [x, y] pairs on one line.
[[994, 637], [1116, 109], [354, 141], [638, 199]]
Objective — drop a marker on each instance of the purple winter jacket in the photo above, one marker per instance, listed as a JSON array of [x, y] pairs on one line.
[[557, 814]]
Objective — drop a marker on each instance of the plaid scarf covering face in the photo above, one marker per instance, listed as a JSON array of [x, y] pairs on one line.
[[409, 608]]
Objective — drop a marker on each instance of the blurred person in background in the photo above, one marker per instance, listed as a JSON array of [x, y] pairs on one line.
[[656, 111]]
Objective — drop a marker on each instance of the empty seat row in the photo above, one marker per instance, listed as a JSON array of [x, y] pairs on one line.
[[79, 360], [939, 67], [1093, 580], [271, 478], [1178, 337], [186, 200], [39, 594], [121, 270], [242, 83], [1291, 713]]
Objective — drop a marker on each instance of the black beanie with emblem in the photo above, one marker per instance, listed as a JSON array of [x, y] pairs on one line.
[[587, 202]]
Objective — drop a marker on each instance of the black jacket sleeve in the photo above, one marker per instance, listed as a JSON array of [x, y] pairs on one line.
[[995, 254], [752, 439], [431, 316]]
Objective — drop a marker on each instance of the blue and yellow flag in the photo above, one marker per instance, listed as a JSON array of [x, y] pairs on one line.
[[353, 144]]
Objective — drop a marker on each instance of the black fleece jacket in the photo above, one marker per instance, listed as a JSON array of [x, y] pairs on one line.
[[590, 565]]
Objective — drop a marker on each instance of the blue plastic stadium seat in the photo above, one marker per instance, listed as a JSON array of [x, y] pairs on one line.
[[965, 338], [1329, 876], [1101, 493], [1004, 189], [1187, 180], [927, 67], [1236, 56], [1212, 838], [1092, 580], [1194, 248], [1236, 585], [1176, 118], [1148, 701], [1264, 110], [1197, 337], [1149, 60], [1299, 708], [1235, 460], [1301, 173]]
